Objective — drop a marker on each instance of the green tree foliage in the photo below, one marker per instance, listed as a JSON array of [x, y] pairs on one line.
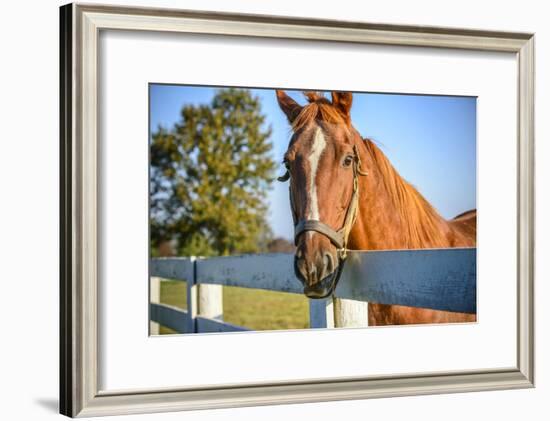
[[209, 178]]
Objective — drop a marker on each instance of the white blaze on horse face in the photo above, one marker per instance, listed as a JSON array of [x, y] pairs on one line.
[[319, 144]]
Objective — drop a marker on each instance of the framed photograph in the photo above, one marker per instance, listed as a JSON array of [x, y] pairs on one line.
[[260, 210]]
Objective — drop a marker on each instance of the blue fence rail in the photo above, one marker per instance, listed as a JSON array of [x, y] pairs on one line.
[[440, 279]]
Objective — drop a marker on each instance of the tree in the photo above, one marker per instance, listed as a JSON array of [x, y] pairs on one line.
[[209, 177], [280, 245]]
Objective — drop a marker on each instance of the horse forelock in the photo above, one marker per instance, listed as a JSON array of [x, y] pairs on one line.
[[319, 110]]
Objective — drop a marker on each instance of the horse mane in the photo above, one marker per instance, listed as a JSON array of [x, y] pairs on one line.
[[422, 224], [318, 109]]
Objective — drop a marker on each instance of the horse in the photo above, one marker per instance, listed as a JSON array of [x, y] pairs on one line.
[[346, 195]]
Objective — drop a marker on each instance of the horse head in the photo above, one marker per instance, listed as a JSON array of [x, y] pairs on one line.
[[322, 166]]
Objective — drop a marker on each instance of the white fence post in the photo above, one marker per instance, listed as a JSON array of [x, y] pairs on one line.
[[321, 313], [350, 313], [210, 298], [154, 297]]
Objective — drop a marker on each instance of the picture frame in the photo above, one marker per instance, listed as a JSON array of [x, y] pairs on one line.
[[79, 203]]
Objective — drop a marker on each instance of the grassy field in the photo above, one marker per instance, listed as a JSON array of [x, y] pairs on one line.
[[252, 308]]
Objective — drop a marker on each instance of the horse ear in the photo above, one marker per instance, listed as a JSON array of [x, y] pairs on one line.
[[288, 105], [342, 101]]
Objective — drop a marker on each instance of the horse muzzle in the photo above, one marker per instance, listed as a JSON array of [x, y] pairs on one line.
[[317, 288]]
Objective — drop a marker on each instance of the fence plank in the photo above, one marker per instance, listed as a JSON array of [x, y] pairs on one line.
[[176, 268], [443, 279], [169, 316], [208, 325], [192, 300], [274, 272], [154, 297]]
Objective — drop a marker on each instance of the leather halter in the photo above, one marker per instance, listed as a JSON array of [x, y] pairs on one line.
[[338, 238]]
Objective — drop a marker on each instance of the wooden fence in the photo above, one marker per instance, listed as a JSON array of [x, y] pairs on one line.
[[442, 279]]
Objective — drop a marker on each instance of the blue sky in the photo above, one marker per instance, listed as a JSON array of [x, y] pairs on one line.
[[430, 140]]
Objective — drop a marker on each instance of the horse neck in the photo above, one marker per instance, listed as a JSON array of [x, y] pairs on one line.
[[392, 213]]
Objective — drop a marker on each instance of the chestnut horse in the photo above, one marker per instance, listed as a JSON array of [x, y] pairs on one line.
[[345, 194]]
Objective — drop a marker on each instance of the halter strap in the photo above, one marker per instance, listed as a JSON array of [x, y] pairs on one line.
[[337, 237]]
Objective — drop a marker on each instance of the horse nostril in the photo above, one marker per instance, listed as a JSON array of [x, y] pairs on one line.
[[301, 268], [329, 263]]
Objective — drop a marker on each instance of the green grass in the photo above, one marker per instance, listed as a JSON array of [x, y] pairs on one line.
[[174, 293], [251, 308]]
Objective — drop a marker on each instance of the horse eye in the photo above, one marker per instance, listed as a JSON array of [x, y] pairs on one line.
[[348, 161]]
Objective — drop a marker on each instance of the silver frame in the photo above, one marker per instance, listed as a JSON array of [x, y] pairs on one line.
[[80, 27]]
